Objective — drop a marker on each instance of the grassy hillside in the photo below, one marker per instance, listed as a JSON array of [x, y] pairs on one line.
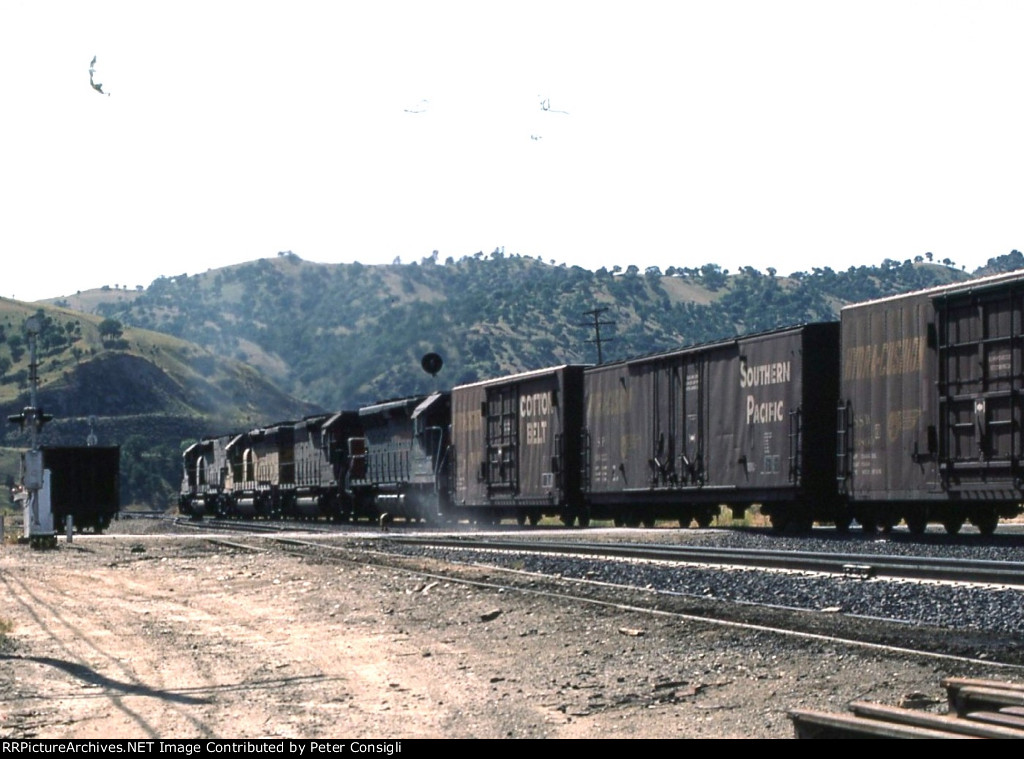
[[344, 334], [149, 392]]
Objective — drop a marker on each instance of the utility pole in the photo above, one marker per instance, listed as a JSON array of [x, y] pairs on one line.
[[597, 324]]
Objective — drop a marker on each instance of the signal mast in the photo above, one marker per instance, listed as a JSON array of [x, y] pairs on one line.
[[35, 480]]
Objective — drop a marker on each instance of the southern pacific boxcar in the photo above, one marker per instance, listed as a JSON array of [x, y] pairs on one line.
[[204, 477], [399, 466], [931, 406], [516, 447], [84, 484], [736, 422]]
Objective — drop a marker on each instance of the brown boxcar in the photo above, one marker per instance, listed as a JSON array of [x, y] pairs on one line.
[[930, 418], [736, 422], [516, 447]]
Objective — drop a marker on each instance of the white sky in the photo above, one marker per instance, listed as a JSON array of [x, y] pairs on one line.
[[786, 133]]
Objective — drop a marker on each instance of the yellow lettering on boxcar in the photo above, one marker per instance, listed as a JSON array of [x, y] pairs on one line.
[[886, 359]]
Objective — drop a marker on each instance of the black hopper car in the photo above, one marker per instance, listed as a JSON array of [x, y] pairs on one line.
[[908, 408]]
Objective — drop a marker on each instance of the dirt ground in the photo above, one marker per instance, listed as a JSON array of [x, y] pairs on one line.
[[152, 636]]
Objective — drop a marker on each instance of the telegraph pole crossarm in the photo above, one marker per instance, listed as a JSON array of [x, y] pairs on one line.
[[596, 323]]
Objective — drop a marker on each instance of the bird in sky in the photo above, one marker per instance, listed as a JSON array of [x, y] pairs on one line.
[[545, 105], [98, 86]]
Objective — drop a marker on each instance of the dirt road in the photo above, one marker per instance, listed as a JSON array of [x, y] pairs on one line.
[[149, 636]]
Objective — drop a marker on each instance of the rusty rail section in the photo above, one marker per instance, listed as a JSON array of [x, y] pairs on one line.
[[977, 709]]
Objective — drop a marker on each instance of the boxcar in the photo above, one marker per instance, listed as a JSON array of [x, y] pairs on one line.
[[930, 418], [737, 422], [399, 466], [84, 484], [516, 447]]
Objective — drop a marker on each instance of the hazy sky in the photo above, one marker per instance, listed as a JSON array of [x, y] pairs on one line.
[[782, 134]]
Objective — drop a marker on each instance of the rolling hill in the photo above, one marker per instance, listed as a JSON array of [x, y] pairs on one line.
[[151, 393]]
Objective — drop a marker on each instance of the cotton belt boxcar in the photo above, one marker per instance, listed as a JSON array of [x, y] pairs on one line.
[[516, 447]]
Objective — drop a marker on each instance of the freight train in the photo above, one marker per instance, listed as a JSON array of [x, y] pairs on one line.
[[907, 408]]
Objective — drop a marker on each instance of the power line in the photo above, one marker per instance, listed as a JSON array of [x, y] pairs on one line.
[[597, 324]]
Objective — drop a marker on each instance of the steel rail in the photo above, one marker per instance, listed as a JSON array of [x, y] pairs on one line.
[[858, 564], [939, 569]]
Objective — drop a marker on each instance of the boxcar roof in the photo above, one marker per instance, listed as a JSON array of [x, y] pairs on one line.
[[710, 344], [521, 376], [942, 291]]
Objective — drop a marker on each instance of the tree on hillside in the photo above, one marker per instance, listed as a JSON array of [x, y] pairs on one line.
[[110, 329], [1010, 262]]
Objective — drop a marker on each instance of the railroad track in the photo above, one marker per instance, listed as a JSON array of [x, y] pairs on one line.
[[258, 527], [1000, 573], [750, 617], [980, 600], [859, 565]]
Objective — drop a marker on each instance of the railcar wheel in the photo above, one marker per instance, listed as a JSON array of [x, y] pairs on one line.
[[704, 519], [648, 522], [953, 524], [534, 519], [568, 519], [986, 520], [619, 521], [521, 518], [779, 520], [868, 525], [801, 524], [917, 520]]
